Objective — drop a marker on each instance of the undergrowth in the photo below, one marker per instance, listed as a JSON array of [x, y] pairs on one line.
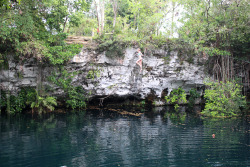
[[115, 45]]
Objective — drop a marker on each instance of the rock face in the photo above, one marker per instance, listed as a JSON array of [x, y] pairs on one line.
[[18, 76], [104, 76], [121, 77]]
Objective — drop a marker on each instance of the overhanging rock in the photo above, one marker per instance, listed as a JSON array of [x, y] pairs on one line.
[[104, 76], [108, 75]]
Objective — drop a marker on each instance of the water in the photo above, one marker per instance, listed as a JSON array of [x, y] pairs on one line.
[[97, 139]]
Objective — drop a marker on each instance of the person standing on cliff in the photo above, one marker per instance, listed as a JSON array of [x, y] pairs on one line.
[[139, 61]]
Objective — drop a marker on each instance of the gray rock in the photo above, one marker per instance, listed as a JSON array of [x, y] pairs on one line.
[[119, 76]]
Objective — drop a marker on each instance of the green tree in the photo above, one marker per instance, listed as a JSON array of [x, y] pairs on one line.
[[63, 12], [146, 14], [34, 30], [223, 99], [220, 31]]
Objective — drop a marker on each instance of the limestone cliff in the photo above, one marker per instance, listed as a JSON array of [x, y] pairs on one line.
[[103, 75], [121, 76]]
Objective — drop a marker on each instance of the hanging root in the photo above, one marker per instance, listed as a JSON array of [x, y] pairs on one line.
[[102, 99]]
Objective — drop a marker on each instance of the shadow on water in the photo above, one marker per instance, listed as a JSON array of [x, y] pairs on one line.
[[159, 137]]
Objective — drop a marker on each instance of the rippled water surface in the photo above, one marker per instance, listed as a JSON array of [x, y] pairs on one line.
[[108, 139]]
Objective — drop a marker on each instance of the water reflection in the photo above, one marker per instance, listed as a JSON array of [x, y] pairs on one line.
[[157, 138]]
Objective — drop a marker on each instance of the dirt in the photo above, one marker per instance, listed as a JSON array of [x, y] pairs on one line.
[[84, 40]]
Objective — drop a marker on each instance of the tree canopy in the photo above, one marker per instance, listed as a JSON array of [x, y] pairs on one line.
[[35, 29]]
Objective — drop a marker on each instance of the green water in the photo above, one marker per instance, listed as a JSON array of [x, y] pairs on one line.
[[108, 139]]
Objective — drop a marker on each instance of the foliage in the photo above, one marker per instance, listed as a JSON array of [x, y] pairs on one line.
[[143, 103], [85, 27], [193, 95], [109, 43], [140, 19], [40, 103], [75, 98], [218, 25], [223, 99], [35, 29], [3, 99], [115, 45], [61, 78], [24, 32], [176, 97], [63, 12], [219, 31], [25, 97], [16, 103], [113, 48], [59, 55], [176, 117], [92, 74]]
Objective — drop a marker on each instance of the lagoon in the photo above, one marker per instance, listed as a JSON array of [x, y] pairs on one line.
[[105, 138]]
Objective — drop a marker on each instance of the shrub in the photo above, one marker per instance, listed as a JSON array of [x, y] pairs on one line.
[[40, 103], [176, 97], [26, 97], [14, 103], [223, 99], [193, 96], [76, 98]]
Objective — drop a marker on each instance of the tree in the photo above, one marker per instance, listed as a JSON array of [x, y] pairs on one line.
[[115, 8], [146, 15], [63, 12], [223, 99], [219, 30], [24, 34], [99, 7]]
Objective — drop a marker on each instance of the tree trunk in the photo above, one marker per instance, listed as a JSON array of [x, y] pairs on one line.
[[8, 89], [102, 16], [115, 13], [39, 79], [64, 25], [172, 20], [223, 68], [99, 15], [114, 22]]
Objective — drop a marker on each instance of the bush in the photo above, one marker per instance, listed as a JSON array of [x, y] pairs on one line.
[[14, 104], [76, 98], [223, 99], [40, 103], [26, 97], [176, 97], [193, 96]]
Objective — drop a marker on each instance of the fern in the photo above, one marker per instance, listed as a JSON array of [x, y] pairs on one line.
[[49, 102], [41, 103]]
